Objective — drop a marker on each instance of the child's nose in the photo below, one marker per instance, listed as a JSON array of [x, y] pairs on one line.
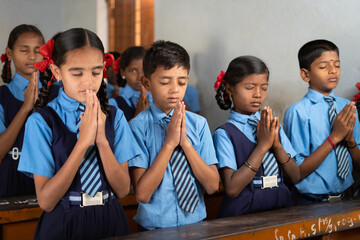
[[174, 87], [257, 92], [31, 55], [332, 69]]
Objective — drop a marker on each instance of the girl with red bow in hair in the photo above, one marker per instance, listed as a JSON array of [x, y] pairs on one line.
[[17, 99], [75, 158], [253, 151]]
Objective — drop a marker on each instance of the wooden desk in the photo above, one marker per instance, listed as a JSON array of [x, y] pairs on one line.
[[330, 220], [19, 215]]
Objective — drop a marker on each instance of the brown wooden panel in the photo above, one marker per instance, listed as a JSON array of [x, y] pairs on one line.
[[21, 230]]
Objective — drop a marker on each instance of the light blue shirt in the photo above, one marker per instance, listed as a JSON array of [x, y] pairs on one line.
[[131, 97], [163, 208], [110, 88], [192, 99], [224, 148], [307, 125], [17, 87], [37, 157]]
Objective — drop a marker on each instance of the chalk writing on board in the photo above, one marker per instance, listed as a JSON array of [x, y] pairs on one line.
[[321, 225]]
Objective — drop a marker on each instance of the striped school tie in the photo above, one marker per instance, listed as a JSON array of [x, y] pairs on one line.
[[341, 151], [269, 162], [89, 168], [185, 188]]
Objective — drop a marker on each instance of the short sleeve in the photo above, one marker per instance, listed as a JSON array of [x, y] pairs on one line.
[[125, 146], [207, 150], [113, 102], [138, 129], [296, 128], [224, 149], [36, 155], [285, 142]]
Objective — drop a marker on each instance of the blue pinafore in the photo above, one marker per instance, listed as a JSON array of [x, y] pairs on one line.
[[69, 220], [252, 198], [122, 104]]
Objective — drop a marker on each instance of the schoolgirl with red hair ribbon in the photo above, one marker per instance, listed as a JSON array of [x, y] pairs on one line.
[[17, 100], [79, 157]]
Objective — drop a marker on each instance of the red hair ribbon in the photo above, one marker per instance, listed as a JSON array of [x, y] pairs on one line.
[[46, 51], [116, 65], [109, 59], [357, 96], [219, 80], [3, 57]]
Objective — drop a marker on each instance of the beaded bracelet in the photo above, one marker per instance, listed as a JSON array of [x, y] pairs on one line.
[[287, 162], [251, 167], [331, 142]]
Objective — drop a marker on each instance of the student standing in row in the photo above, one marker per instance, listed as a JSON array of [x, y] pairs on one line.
[[79, 156], [178, 158], [322, 128], [252, 149], [17, 100]]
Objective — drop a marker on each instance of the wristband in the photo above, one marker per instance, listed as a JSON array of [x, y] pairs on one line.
[[251, 167], [331, 142], [287, 162]]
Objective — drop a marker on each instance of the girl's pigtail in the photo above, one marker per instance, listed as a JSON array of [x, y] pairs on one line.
[[222, 97], [47, 79], [104, 102], [6, 72], [45, 91]]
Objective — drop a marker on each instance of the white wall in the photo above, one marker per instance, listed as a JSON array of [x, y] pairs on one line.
[[214, 32], [53, 16]]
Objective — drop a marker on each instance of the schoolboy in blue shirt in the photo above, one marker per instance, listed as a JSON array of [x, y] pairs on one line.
[[326, 140], [154, 174]]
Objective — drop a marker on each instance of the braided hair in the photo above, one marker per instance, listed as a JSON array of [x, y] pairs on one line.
[[238, 70], [13, 37], [69, 40]]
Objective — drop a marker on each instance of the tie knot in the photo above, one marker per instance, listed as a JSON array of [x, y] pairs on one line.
[[165, 120], [252, 121], [81, 108], [329, 99]]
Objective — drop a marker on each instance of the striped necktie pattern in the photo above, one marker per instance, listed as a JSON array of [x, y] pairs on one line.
[[269, 162], [185, 188], [89, 167], [341, 151]]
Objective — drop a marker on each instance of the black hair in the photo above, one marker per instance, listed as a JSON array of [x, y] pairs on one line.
[[69, 40], [165, 54], [13, 37], [312, 50], [237, 71], [130, 54]]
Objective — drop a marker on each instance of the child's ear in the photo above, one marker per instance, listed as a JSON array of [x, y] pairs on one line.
[[9, 53], [146, 83], [304, 73], [122, 74], [55, 71], [229, 89]]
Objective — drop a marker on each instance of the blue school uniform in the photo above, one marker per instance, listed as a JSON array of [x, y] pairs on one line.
[[191, 98], [307, 125], [55, 128], [127, 101], [163, 208], [110, 88], [12, 182], [234, 142]]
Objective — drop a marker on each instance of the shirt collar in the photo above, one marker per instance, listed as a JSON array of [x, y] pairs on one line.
[[68, 103], [315, 97], [128, 92], [242, 118], [158, 114]]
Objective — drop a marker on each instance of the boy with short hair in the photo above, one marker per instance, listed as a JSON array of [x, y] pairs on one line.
[[178, 158], [322, 127]]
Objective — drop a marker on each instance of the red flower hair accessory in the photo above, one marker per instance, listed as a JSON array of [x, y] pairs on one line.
[[3, 57], [109, 59], [357, 96], [219, 80], [46, 51], [116, 65]]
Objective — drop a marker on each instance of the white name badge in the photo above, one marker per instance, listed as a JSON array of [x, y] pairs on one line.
[[88, 200], [269, 182]]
